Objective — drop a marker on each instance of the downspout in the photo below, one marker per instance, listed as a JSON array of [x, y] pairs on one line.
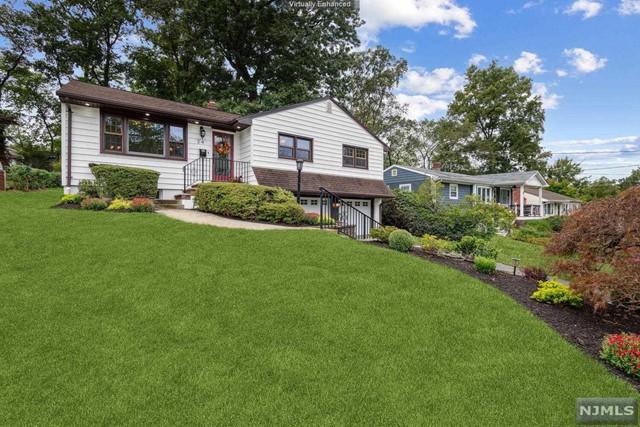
[[69, 120]]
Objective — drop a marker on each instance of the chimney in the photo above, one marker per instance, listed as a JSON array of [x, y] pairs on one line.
[[436, 166], [212, 105]]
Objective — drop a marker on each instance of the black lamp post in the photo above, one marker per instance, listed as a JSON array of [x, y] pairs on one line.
[[299, 164]]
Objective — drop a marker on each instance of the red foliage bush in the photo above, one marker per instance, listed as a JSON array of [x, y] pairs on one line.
[[536, 273], [142, 204], [603, 241]]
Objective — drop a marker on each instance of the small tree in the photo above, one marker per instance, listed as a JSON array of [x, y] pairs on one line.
[[429, 194], [602, 241]]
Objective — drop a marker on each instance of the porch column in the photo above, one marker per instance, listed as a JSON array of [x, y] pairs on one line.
[[540, 200], [521, 200]]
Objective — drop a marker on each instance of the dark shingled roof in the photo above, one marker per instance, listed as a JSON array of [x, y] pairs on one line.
[[341, 186], [94, 94]]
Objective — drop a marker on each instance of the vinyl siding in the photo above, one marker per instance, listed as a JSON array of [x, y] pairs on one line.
[[86, 149], [416, 179], [463, 191], [329, 131]]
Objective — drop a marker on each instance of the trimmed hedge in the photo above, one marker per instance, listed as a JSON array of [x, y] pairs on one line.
[[25, 178], [401, 240], [251, 202], [125, 182]]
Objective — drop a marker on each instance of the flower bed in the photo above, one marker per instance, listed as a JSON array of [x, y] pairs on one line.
[[623, 352]]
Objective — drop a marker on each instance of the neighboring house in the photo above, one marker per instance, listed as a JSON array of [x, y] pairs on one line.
[[553, 203], [507, 189], [188, 144]]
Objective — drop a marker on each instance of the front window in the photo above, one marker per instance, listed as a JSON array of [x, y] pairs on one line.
[[146, 137], [505, 196], [295, 147], [354, 157], [453, 191], [485, 194], [112, 133], [143, 137], [405, 187]]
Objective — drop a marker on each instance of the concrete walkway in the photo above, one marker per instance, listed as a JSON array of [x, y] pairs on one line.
[[198, 217]]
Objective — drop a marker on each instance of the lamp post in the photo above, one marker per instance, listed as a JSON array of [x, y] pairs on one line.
[[299, 164]]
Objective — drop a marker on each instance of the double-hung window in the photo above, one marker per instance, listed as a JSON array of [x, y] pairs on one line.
[[453, 191], [295, 147], [485, 193], [142, 137], [354, 157]]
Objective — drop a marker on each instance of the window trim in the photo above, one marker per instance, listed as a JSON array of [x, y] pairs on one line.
[[125, 135], [366, 150], [295, 147], [479, 192], [400, 186], [457, 191]]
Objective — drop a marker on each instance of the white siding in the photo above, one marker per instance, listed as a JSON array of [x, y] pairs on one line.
[[85, 149], [329, 130], [243, 153]]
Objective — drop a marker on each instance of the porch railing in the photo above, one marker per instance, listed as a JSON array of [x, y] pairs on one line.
[[529, 210], [338, 214], [207, 169]]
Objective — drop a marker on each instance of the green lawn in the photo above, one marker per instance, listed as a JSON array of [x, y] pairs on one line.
[[137, 319], [527, 253]]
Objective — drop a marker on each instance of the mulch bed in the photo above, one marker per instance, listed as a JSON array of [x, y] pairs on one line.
[[579, 326]]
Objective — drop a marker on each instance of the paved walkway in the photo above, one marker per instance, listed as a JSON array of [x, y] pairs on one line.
[[198, 217]]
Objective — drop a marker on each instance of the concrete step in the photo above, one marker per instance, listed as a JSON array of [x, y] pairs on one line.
[[168, 203]]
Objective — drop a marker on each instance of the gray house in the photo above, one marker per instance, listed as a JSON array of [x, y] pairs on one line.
[[513, 190]]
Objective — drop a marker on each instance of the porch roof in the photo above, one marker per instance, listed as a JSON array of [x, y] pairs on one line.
[[550, 196], [341, 186]]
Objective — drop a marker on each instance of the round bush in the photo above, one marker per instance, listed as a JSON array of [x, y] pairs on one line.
[[401, 240], [484, 265]]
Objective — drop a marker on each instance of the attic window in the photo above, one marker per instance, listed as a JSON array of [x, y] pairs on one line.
[[394, 172]]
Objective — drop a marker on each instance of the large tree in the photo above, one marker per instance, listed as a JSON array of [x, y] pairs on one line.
[[508, 120], [83, 35], [563, 177]]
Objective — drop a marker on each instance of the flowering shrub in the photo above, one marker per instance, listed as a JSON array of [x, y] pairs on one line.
[[484, 265], [142, 204], [69, 199], [382, 233], [623, 352], [536, 273], [311, 218], [94, 204], [119, 205], [554, 292], [401, 240]]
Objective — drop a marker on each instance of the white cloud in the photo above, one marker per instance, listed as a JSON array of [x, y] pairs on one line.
[[588, 8], [419, 106], [528, 63], [380, 15], [598, 141], [629, 7], [562, 73], [477, 59], [530, 4], [584, 61], [408, 47], [441, 82], [550, 100]]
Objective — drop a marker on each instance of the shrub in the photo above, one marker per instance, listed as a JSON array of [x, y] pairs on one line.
[[71, 199], [382, 233], [311, 218], [556, 222], [327, 220], [94, 204], [24, 178], [251, 202], [605, 232], [401, 240], [434, 245], [537, 232], [486, 250], [623, 352], [142, 204], [91, 188], [554, 292], [125, 182], [484, 265], [119, 205], [468, 245], [536, 273]]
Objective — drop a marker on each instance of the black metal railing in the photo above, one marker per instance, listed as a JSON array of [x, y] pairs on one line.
[[206, 169], [529, 210], [338, 214]]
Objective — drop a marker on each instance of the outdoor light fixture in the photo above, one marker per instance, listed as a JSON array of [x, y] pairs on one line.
[[336, 205], [299, 164], [515, 261], [147, 114], [87, 104]]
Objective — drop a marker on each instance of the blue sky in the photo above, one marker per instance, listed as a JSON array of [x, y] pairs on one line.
[[582, 55]]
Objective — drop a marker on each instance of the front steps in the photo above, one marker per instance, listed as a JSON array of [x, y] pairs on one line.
[[169, 204]]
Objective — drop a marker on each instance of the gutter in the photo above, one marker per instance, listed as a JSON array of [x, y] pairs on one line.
[[69, 122]]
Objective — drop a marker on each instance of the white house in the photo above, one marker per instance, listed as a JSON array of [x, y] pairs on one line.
[[553, 203], [188, 144]]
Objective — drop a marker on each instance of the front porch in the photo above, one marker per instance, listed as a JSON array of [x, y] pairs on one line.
[[212, 169]]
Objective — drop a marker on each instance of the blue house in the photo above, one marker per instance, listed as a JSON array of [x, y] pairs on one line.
[[514, 190]]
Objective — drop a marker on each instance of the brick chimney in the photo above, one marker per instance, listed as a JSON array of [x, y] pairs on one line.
[[212, 105], [436, 166]]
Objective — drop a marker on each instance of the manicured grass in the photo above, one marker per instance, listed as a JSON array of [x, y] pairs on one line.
[[142, 320], [529, 254]]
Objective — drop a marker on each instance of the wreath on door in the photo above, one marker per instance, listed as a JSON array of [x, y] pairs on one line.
[[223, 148]]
